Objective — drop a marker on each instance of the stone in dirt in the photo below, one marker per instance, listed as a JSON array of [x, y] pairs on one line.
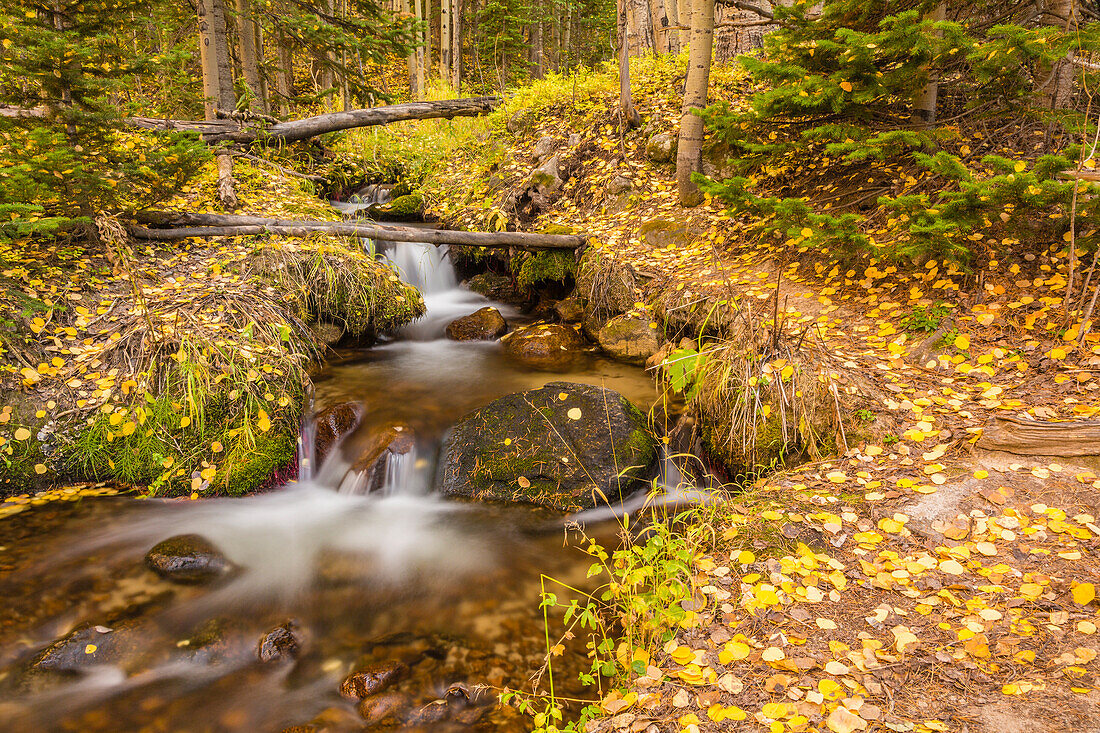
[[629, 338], [548, 346], [482, 325], [187, 558], [555, 447], [372, 679], [661, 148], [544, 148], [332, 424], [279, 644]]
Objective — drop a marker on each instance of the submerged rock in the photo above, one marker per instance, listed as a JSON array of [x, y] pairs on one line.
[[372, 679], [482, 325], [187, 558], [84, 648], [554, 447], [370, 449], [279, 644], [629, 338], [332, 424], [389, 706], [549, 346]]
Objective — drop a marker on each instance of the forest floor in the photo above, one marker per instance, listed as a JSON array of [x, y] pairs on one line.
[[914, 582]]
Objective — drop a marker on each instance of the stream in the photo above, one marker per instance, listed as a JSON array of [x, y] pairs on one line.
[[444, 592]]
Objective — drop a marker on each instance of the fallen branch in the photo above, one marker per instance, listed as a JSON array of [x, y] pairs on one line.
[[238, 226], [282, 169], [1040, 438]]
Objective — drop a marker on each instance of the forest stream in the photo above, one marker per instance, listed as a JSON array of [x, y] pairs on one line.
[[434, 597]]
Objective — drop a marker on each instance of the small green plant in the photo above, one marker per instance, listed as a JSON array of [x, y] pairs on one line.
[[925, 319], [684, 369], [890, 439], [865, 415]]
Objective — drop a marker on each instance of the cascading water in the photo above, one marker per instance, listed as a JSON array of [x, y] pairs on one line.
[[399, 575]]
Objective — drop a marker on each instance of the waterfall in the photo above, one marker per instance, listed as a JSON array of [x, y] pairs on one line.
[[424, 266]]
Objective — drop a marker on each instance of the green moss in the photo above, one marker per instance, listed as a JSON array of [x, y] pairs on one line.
[[532, 268], [249, 469], [557, 229], [401, 208]]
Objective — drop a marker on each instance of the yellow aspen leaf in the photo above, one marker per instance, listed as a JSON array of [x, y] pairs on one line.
[[90, 649], [263, 422], [574, 413], [843, 720], [825, 623], [524, 482], [733, 651], [208, 473], [683, 655], [981, 473], [846, 86], [185, 421], [836, 477], [775, 710], [952, 567], [745, 557], [216, 447], [773, 654], [962, 342], [903, 637], [22, 434], [39, 468], [836, 668], [1086, 627], [1031, 590], [1084, 593]]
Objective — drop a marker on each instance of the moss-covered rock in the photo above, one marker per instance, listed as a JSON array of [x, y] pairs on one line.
[[566, 446], [401, 208], [534, 268], [661, 233], [497, 287]]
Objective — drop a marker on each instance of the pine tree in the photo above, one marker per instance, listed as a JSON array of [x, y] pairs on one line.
[[68, 157], [842, 117]]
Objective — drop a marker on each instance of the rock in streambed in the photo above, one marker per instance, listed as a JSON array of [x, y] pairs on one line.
[[560, 447]]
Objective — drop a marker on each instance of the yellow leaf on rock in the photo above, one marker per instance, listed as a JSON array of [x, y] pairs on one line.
[[574, 413]]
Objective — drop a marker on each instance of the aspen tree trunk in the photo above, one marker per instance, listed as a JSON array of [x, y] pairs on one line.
[[643, 22], [445, 40], [924, 106], [328, 79], [428, 34], [1057, 79], [284, 78], [414, 87], [208, 59], [672, 11], [250, 62], [421, 48], [684, 10], [689, 152], [227, 97], [626, 103], [456, 45], [567, 35], [538, 58]]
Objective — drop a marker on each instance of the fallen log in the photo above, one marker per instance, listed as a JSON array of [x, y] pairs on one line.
[[238, 131], [247, 226], [1042, 438]]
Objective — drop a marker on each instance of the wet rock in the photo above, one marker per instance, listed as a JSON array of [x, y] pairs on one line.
[[84, 648], [327, 332], [187, 558], [335, 720], [483, 325], [497, 287], [552, 447], [372, 449], [279, 644], [372, 679], [388, 706], [547, 346], [661, 148], [569, 310], [544, 148], [629, 338], [331, 425]]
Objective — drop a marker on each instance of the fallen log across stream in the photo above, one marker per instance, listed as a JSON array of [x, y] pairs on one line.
[[243, 131], [214, 225]]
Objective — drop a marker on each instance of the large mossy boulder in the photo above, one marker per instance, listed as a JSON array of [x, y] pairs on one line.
[[566, 446], [548, 346], [629, 338]]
